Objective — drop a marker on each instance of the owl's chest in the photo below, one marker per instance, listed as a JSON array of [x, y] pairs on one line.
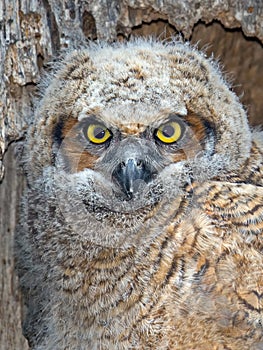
[[187, 282], [136, 296]]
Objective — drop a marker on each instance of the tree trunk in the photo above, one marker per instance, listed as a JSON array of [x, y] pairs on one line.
[[33, 31]]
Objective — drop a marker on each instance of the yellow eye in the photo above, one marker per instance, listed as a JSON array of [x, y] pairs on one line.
[[97, 133], [169, 132]]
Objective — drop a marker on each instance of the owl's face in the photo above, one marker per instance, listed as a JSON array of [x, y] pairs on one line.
[[131, 156], [120, 170], [125, 130]]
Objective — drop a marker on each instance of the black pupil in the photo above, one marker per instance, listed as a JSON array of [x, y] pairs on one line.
[[99, 133], [168, 131]]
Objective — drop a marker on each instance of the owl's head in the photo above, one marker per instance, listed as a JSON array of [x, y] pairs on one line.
[[130, 126]]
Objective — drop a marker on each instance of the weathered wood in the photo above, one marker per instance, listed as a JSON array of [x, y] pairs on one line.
[[10, 306], [32, 31]]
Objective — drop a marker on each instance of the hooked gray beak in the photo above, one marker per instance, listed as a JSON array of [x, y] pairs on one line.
[[129, 174]]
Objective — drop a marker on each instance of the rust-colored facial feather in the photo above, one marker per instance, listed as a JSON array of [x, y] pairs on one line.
[[195, 138], [197, 125], [74, 154]]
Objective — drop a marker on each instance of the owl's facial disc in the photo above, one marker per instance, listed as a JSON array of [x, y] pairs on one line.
[[131, 162], [130, 173]]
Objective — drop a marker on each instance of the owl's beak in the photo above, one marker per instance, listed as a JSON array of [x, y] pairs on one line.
[[130, 174]]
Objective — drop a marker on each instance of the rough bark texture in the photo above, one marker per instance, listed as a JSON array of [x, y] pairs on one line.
[[32, 31]]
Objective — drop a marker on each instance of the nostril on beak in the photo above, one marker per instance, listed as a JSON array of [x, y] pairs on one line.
[[129, 174], [139, 163], [122, 165]]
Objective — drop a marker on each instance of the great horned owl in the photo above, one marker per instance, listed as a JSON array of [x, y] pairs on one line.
[[141, 227]]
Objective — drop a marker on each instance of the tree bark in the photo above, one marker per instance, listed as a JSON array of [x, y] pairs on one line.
[[33, 31]]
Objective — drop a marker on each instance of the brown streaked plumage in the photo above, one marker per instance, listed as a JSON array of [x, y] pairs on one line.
[[142, 224]]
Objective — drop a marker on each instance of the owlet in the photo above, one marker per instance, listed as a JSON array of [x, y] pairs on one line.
[[141, 227]]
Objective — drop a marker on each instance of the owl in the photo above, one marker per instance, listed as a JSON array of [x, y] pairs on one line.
[[141, 225]]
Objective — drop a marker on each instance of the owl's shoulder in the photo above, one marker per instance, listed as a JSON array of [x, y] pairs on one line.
[[238, 207]]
